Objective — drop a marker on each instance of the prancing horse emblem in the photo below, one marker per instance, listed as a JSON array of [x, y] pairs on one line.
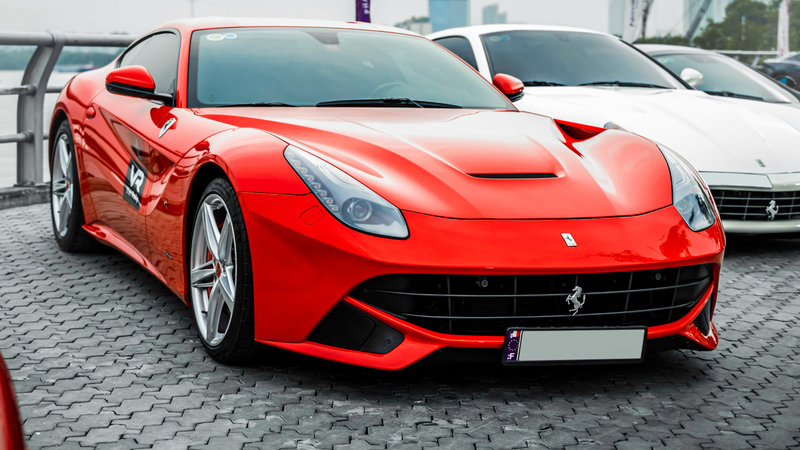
[[166, 127], [772, 210], [576, 299]]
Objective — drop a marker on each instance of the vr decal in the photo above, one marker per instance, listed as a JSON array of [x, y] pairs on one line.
[[135, 179]]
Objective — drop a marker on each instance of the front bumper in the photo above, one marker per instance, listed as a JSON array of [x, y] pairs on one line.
[[305, 263], [751, 203], [752, 227]]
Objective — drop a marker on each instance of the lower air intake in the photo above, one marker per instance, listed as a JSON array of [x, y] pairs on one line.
[[487, 305]]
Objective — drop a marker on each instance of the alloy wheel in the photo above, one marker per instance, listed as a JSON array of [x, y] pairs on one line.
[[61, 185], [213, 269]]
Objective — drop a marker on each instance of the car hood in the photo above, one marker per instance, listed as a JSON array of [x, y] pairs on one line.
[[473, 164], [714, 134]]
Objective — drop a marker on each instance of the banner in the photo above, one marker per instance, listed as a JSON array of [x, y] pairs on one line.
[[362, 11], [783, 29], [632, 26]]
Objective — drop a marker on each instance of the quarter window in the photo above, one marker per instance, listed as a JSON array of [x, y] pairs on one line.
[[460, 47]]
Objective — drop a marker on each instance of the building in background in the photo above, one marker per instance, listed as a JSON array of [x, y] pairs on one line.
[[446, 14], [419, 25], [492, 14]]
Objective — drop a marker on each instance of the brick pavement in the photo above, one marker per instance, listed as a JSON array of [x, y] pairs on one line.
[[104, 356]]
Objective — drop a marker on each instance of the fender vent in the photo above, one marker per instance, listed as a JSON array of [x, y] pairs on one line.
[[577, 132]]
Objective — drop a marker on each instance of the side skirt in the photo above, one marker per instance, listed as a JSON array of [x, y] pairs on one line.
[[111, 238]]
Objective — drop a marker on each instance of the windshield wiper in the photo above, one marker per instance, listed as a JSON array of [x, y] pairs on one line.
[[734, 95], [541, 83], [624, 84], [254, 104], [400, 101]]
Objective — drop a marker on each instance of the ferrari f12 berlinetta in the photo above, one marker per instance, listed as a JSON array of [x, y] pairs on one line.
[[360, 194]]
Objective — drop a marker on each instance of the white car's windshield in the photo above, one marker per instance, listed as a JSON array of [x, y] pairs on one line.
[[330, 67], [723, 76], [572, 58]]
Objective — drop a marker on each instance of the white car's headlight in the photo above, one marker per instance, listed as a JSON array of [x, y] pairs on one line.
[[688, 194], [348, 200]]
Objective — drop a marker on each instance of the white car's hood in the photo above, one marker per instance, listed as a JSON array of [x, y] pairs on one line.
[[714, 134]]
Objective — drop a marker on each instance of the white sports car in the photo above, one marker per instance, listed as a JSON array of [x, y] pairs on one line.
[[721, 75], [749, 157]]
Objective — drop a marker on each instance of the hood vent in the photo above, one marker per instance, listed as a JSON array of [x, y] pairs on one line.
[[513, 176]]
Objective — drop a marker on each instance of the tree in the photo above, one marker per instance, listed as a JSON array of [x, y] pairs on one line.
[[670, 39], [748, 25]]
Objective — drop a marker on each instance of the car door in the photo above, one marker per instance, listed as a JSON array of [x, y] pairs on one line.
[[123, 155]]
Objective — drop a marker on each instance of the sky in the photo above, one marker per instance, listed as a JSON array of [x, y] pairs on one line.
[[138, 16]]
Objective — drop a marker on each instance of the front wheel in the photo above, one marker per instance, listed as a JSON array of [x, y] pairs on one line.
[[66, 210], [220, 276]]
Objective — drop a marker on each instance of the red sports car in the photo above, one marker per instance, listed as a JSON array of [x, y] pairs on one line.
[[358, 193], [10, 423]]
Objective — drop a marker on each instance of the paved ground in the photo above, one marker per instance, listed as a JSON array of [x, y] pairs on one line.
[[102, 355]]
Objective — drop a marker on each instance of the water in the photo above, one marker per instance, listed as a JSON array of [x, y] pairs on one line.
[[8, 121]]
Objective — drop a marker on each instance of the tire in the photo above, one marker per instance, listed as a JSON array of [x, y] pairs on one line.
[[66, 210], [219, 265]]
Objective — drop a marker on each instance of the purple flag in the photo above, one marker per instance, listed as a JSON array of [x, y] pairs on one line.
[[362, 11]]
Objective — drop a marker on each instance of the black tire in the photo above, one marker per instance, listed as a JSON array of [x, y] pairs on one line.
[[238, 345], [74, 238]]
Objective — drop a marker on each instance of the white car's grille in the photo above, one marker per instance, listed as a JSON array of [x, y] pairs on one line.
[[759, 206]]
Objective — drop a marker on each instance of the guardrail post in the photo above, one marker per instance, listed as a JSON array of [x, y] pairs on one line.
[[30, 112]]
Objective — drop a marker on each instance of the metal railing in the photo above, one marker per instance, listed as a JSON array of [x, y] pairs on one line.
[[30, 133]]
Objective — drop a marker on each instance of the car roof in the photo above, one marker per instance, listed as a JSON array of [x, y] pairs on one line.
[[204, 23], [663, 48], [477, 30]]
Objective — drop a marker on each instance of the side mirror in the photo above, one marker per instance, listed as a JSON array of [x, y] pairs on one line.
[[510, 86], [691, 76], [134, 81]]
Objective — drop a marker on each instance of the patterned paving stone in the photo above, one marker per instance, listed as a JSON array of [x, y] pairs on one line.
[[103, 356]]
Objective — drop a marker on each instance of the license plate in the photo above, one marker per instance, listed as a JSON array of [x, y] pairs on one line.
[[574, 345]]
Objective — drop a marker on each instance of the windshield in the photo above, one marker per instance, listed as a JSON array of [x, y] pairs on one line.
[[571, 58], [723, 75], [309, 66]]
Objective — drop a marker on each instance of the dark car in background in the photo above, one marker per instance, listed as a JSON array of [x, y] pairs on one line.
[[784, 69]]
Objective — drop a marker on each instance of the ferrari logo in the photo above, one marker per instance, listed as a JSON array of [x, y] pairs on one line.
[[166, 127], [576, 299], [772, 210], [569, 240]]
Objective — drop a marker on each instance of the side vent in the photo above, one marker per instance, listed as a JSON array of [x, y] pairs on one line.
[[576, 132]]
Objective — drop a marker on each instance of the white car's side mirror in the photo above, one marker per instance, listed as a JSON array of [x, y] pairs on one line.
[[692, 76]]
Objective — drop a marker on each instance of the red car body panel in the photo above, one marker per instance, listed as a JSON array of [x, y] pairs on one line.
[[611, 191], [395, 153], [11, 437]]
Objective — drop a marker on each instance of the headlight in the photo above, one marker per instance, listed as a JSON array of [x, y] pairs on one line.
[[688, 194], [348, 200]]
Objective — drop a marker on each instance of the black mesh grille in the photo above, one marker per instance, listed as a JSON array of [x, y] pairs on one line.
[[752, 205], [487, 305]]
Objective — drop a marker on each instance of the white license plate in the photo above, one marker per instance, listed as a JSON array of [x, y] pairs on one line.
[[573, 345]]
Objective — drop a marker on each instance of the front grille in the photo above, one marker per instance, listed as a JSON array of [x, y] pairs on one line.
[[752, 205], [487, 305]]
